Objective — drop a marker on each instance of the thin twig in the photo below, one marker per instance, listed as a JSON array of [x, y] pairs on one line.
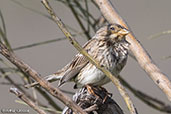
[[30, 9], [87, 16], [23, 97], [39, 43], [44, 42], [143, 58], [3, 32], [166, 57], [93, 61], [49, 99], [95, 4], [78, 19], [150, 101], [83, 10], [45, 108], [154, 36]]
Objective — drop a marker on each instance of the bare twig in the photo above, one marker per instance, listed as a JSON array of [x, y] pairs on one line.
[[27, 69], [78, 19], [23, 97], [166, 57], [49, 99], [139, 52], [30, 9], [154, 36], [39, 43], [45, 108], [149, 100], [3, 32], [84, 11], [93, 61]]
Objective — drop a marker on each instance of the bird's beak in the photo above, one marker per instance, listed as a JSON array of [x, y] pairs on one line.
[[123, 32]]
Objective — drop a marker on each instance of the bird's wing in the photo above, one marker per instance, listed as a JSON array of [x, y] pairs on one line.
[[77, 63], [74, 68]]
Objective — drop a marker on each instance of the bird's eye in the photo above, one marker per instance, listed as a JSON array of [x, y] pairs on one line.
[[112, 28]]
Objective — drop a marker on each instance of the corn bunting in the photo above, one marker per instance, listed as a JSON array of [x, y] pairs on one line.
[[108, 46]]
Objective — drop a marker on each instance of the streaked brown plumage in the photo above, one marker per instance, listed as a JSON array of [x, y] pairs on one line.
[[108, 46]]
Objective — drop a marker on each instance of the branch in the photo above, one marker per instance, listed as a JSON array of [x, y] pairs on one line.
[[100, 103], [27, 69], [143, 58], [121, 89], [23, 97]]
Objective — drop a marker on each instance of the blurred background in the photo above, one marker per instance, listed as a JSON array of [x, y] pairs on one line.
[[27, 23]]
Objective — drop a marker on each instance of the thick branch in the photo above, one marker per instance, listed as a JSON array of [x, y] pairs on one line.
[[139, 52], [24, 98], [121, 89], [27, 69]]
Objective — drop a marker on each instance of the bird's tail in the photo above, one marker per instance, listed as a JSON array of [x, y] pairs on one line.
[[49, 78]]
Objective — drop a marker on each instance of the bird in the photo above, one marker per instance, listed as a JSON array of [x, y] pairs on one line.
[[108, 46]]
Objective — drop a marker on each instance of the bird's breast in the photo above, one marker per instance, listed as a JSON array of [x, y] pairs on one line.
[[114, 59]]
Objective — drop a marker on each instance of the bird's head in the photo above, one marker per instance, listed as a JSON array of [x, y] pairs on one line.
[[113, 32]]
